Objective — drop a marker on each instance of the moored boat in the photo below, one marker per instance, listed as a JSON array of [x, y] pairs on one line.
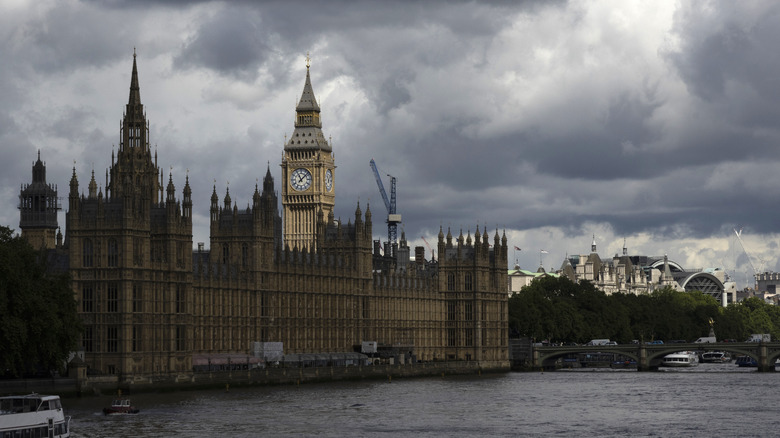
[[715, 357], [33, 415], [120, 406], [746, 361], [680, 359], [624, 363]]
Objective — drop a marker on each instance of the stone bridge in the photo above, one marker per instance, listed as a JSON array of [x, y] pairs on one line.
[[649, 356]]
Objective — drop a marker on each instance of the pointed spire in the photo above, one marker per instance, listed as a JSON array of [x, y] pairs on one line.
[[135, 90], [93, 186], [227, 198], [39, 170], [625, 249], [593, 245], [268, 180], [308, 102], [308, 125], [171, 189], [214, 197], [187, 189]]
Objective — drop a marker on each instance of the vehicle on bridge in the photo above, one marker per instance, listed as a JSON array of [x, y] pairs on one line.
[[760, 337], [601, 342]]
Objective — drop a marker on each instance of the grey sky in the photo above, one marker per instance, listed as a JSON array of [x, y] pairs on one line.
[[656, 122]]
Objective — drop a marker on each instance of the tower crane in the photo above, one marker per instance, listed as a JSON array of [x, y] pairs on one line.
[[393, 219], [433, 255], [750, 259]]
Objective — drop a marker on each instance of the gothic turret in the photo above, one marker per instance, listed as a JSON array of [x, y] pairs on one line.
[[93, 187], [38, 206], [187, 203], [214, 206]]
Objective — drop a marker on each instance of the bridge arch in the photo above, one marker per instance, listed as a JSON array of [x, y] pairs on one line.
[[547, 356], [650, 356]]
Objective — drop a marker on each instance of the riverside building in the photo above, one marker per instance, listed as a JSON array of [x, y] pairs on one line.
[[632, 274], [299, 277]]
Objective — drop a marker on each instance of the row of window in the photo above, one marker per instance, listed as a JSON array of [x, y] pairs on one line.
[[88, 253], [89, 299], [111, 340], [468, 338], [60, 429], [307, 118], [244, 254], [467, 282], [158, 252]]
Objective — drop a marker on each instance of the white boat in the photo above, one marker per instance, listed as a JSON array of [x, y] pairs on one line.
[[33, 415], [680, 359], [715, 357]]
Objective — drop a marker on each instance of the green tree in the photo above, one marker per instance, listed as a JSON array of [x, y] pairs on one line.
[[39, 325], [757, 317]]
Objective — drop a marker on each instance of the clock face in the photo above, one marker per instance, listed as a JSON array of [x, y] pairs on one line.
[[300, 179], [328, 180]]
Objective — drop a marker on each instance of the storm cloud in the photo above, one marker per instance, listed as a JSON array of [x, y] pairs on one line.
[[653, 122]]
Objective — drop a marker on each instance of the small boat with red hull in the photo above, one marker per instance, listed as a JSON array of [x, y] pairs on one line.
[[120, 406]]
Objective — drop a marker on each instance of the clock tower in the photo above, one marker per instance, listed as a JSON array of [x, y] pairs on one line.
[[308, 173]]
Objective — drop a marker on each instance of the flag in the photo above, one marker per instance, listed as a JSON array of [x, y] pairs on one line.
[[517, 249], [544, 252]]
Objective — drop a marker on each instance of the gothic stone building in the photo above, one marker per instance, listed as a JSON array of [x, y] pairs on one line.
[[150, 304]]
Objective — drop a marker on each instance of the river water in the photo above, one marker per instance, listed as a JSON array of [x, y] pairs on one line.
[[711, 399]]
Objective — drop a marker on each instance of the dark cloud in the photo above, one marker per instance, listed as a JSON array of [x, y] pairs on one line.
[[724, 56], [232, 42], [65, 38]]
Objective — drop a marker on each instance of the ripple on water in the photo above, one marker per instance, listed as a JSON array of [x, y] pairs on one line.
[[723, 402]]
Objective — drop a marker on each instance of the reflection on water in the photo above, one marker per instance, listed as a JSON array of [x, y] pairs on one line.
[[713, 399]]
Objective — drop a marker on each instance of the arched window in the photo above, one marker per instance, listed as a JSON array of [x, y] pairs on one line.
[[87, 253], [112, 298], [113, 253], [225, 254], [450, 282], [467, 282]]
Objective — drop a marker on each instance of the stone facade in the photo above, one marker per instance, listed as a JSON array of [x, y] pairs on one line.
[[150, 303], [640, 274]]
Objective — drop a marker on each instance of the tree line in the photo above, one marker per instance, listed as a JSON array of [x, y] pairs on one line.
[[39, 324], [558, 310]]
